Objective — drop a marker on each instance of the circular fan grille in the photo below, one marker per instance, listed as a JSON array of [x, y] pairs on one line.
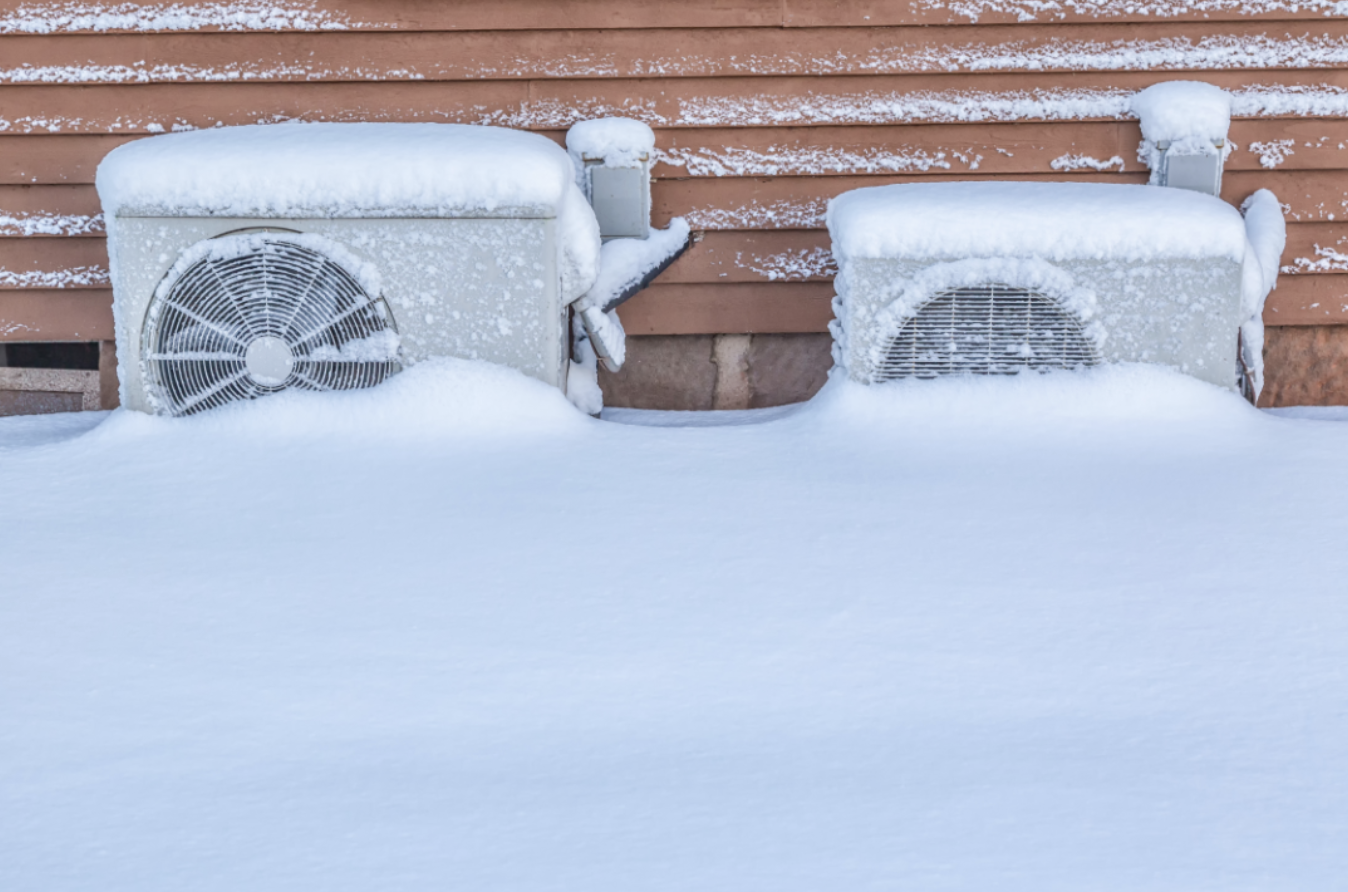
[[986, 330], [237, 325]]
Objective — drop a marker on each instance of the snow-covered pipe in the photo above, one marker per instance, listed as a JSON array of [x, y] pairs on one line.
[[1265, 239]]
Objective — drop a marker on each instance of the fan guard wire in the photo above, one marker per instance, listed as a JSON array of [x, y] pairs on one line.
[[989, 329], [198, 332]]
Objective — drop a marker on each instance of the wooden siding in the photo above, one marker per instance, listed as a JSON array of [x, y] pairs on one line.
[[764, 109]]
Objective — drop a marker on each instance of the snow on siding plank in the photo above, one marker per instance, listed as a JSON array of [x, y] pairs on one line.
[[28, 225], [240, 15], [927, 12], [377, 57], [91, 112], [73, 277]]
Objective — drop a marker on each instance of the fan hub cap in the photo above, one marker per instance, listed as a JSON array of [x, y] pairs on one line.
[[269, 361]]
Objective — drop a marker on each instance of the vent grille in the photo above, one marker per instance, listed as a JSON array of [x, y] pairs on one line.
[[278, 315], [986, 330]]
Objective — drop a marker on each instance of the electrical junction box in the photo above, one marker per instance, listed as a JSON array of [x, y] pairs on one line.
[[1195, 172], [621, 198]]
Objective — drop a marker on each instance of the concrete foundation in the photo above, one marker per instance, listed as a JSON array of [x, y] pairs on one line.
[[700, 372], [1305, 366]]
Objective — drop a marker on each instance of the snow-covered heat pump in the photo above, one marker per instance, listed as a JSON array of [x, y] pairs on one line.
[[997, 278], [613, 168], [1184, 134], [251, 260]]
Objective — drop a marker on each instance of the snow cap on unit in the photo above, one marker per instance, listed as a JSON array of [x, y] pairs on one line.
[[355, 170], [1178, 110], [1182, 118], [337, 170], [617, 142], [1052, 221]]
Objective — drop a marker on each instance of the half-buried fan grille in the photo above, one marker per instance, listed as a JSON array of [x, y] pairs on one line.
[[275, 314], [986, 330]]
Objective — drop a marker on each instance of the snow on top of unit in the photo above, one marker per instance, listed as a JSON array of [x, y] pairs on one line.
[[337, 170], [1054, 221], [618, 142], [357, 170], [1179, 110]]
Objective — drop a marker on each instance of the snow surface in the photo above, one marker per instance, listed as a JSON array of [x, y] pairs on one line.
[[1048, 633], [1054, 221]]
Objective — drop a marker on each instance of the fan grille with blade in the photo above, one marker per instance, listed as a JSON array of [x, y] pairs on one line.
[[986, 330], [240, 324]]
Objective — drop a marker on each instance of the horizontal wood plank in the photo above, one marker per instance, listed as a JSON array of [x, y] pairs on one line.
[[756, 203], [341, 56], [1064, 149], [1308, 300], [666, 103], [56, 315], [1001, 13], [26, 17]]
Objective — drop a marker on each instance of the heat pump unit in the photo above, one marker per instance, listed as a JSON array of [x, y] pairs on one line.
[[999, 278], [251, 260]]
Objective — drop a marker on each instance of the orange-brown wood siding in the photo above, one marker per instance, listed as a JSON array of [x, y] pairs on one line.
[[764, 109]]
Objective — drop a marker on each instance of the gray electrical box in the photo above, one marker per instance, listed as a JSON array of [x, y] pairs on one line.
[[621, 197], [1198, 173]]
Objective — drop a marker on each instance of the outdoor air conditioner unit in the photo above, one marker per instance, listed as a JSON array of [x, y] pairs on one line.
[[997, 278], [251, 260]]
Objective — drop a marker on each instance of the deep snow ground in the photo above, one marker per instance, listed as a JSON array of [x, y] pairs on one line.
[[1050, 633]]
